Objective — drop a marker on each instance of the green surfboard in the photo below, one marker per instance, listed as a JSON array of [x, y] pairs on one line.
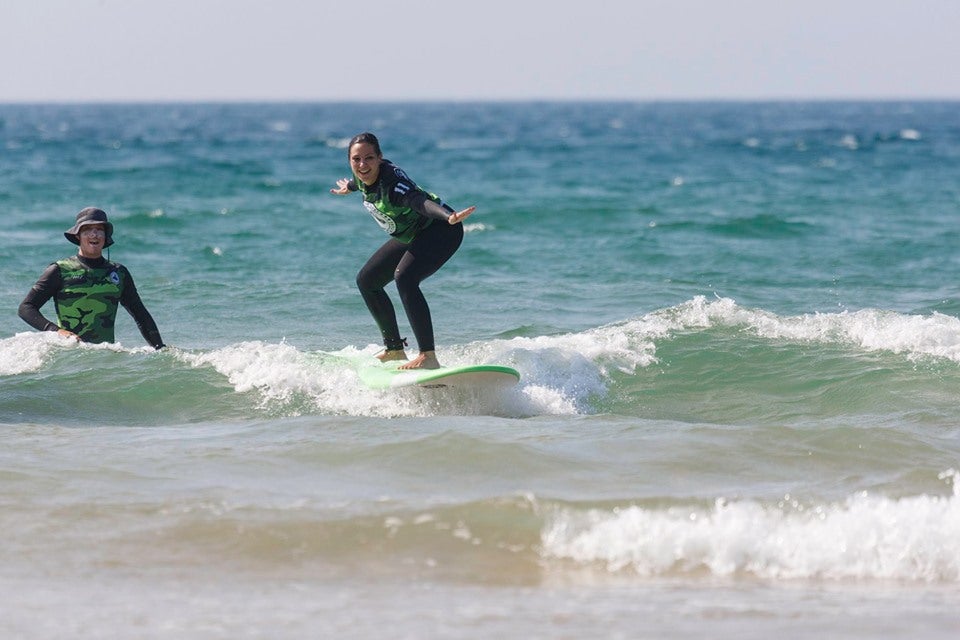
[[387, 376]]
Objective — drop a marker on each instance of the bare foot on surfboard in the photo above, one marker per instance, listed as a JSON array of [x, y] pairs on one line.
[[425, 360], [390, 355]]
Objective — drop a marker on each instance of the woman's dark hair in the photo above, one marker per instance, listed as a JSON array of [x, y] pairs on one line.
[[367, 137]]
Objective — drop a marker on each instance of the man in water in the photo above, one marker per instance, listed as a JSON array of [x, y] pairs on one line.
[[87, 288]]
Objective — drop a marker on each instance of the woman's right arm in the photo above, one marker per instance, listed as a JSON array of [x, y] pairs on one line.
[[344, 186]]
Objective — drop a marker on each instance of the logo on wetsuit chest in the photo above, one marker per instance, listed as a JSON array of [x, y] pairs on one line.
[[85, 278], [386, 223]]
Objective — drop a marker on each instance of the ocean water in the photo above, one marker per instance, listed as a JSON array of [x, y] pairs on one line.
[[737, 326]]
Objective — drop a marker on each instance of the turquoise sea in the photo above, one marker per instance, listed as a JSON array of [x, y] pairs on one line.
[[737, 326]]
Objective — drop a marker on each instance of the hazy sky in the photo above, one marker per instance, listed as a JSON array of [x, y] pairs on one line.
[[107, 50]]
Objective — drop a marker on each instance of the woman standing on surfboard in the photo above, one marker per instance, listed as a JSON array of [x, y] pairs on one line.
[[424, 234]]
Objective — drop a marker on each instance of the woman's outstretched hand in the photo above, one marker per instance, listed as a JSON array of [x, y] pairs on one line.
[[460, 216], [341, 189]]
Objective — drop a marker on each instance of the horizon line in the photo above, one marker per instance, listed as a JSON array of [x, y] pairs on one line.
[[510, 100]]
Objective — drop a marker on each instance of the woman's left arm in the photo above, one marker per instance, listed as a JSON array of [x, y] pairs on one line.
[[434, 210], [460, 216]]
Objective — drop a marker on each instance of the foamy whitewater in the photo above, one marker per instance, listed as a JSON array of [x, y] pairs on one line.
[[739, 348]]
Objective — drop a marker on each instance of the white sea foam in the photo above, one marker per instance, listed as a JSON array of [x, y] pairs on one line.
[[26, 352], [631, 344], [293, 382], [477, 227], [272, 368], [29, 351], [285, 377], [850, 141], [935, 335], [864, 537], [576, 367], [558, 377]]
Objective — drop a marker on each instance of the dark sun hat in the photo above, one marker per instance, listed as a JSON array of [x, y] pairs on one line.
[[90, 215]]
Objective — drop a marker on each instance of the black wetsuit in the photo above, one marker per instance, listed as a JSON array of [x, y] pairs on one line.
[[422, 241]]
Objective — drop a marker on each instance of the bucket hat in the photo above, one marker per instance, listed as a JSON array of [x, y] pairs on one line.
[[90, 215]]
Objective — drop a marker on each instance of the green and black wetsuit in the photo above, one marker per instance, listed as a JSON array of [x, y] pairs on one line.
[[421, 242], [86, 293]]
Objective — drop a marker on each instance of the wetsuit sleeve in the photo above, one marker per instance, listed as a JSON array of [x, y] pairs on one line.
[[352, 186], [130, 299], [407, 194], [44, 289], [422, 204]]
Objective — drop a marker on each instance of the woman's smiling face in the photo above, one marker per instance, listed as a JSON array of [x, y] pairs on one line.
[[365, 162]]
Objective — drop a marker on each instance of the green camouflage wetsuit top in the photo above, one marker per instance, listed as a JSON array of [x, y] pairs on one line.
[[399, 206], [86, 293]]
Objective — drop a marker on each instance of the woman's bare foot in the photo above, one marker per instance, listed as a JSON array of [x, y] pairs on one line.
[[425, 360], [389, 355]]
